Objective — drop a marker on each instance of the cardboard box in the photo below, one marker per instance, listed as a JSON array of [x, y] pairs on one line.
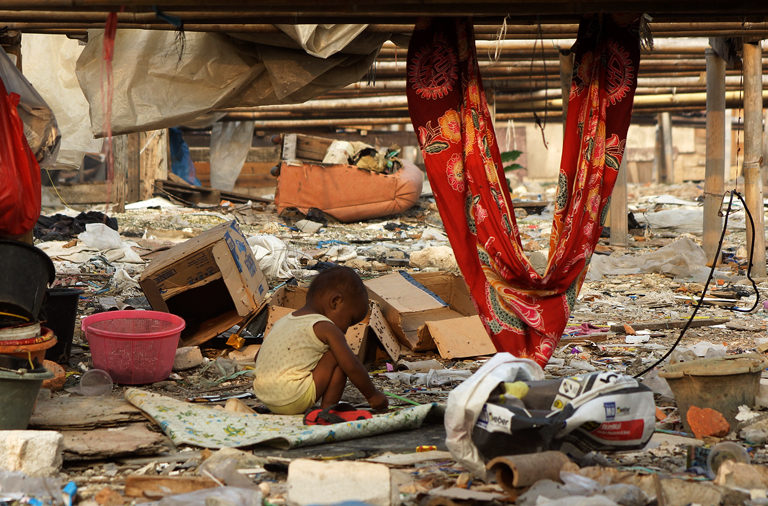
[[364, 338], [432, 309], [212, 281]]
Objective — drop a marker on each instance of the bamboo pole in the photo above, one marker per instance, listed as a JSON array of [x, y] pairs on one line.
[[691, 100], [714, 185], [657, 170], [666, 146], [566, 71], [753, 131]]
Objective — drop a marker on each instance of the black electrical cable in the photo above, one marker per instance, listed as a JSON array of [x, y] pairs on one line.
[[711, 274]]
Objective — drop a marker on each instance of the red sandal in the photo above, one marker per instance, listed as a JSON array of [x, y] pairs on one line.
[[338, 413]]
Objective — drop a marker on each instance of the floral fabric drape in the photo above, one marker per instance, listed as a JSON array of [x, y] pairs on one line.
[[524, 312]]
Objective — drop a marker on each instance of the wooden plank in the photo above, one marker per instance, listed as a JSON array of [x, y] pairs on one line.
[[155, 487], [289, 147], [310, 147], [197, 194], [669, 324], [107, 443], [461, 337], [253, 174], [83, 412], [86, 193]]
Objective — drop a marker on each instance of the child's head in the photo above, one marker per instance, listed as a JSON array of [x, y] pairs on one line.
[[339, 294]]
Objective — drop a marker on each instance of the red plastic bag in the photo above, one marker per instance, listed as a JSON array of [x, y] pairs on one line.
[[19, 171]]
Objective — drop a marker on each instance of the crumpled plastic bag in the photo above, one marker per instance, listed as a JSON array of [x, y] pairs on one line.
[[273, 256], [101, 237]]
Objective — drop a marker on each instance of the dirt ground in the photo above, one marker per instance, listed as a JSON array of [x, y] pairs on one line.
[[382, 246]]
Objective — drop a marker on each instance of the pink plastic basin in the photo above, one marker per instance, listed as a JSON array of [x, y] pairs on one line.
[[134, 347]]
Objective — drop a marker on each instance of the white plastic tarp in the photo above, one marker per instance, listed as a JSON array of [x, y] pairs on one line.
[[49, 65], [163, 80]]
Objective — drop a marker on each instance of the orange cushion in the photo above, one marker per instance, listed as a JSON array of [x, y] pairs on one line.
[[346, 192]]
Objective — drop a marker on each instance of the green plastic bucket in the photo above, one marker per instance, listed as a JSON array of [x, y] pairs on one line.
[[19, 386]]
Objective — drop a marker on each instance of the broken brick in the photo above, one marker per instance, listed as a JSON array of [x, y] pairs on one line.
[[707, 422], [109, 497]]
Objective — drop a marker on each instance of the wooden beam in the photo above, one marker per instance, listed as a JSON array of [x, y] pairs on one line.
[[126, 181], [153, 161], [753, 132], [714, 185], [619, 225], [85, 193]]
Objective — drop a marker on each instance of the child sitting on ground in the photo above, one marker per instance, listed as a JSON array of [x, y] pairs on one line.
[[306, 357]]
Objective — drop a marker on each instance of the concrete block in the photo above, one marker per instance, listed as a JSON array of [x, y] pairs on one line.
[[33, 452], [313, 482], [187, 357]]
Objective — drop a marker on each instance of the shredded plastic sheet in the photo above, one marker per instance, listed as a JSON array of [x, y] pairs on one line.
[[230, 143], [203, 426], [161, 82], [53, 76], [682, 258]]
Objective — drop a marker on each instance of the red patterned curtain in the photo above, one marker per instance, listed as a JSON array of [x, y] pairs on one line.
[[524, 312]]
